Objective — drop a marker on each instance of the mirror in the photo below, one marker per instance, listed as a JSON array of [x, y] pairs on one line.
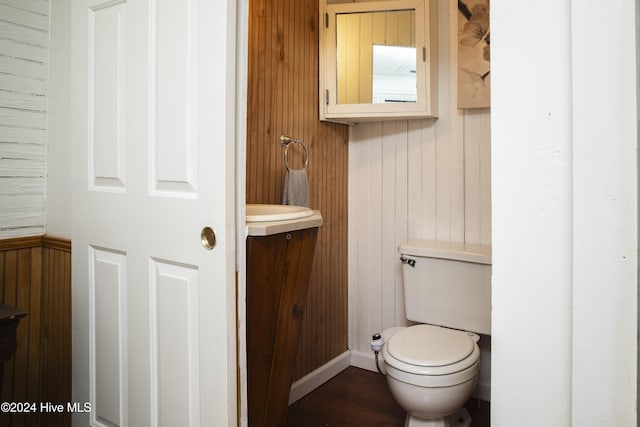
[[377, 61], [394, 74], [376, 57]]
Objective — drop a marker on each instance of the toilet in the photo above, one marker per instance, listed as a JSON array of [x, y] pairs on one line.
[[432, 367]]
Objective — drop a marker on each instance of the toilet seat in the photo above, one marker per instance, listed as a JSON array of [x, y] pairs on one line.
[[431, 351]]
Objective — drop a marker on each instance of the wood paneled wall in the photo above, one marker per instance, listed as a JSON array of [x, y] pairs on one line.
[[409, 182], [55, 331], [283, 98], [35, 275], [418, 179], [21, 273]]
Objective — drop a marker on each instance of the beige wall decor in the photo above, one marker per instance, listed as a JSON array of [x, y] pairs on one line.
[[474, 77]]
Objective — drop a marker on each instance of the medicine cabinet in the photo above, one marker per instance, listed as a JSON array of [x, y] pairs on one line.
[[378, 60]]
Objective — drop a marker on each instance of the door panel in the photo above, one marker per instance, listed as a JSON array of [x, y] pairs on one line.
[[175, 360], [107, 102], [107, 284], [154, 312], [174, 93]]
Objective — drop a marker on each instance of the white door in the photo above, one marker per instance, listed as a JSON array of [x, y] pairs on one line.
[[153, 154]]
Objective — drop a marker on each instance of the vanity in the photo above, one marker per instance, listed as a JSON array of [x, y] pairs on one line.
[[280, 246]]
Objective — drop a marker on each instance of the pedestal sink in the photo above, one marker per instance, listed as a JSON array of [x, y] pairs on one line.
[[280, 246]]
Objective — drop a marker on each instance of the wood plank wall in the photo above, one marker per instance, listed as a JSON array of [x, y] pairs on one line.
[[418, 179], [35, 275], [55, 331], [21, 273], [283, 97]]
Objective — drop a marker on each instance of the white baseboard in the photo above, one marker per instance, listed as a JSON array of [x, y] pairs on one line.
[[363, 360], [315, 379]]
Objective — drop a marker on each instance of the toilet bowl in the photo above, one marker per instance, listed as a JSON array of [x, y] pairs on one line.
[[432, 367], [431, 372]]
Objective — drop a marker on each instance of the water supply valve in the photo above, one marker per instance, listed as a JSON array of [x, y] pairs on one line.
[[377, 341]]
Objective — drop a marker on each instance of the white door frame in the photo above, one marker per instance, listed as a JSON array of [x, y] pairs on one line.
[[242, 63]]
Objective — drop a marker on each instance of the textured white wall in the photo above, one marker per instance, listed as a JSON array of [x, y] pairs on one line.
[[24, 42]]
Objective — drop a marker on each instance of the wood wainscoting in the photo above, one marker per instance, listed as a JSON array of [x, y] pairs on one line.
[[35, 275], [283, 98]]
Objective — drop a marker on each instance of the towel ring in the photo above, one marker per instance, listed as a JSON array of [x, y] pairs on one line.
[[304, 148]]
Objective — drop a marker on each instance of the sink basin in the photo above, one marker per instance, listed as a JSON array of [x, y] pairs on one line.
[[264, 213], [265, 220]]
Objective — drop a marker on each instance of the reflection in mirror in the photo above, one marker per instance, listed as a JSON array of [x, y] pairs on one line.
[[394, 74], [358, 37]]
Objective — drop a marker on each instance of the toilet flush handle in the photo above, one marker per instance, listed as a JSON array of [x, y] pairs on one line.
[[405, 260]]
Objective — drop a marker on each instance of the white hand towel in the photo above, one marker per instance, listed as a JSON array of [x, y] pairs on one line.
[[296, 188]]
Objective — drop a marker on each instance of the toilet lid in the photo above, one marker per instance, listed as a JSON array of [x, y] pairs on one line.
[[430, 346]]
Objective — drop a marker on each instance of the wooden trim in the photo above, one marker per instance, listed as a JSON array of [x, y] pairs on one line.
[[58, 243], [20, 243], [45, 241]]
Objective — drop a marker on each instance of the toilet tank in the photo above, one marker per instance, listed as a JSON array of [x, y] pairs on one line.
[[447, 284]]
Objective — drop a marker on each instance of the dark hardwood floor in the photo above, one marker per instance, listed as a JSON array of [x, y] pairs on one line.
[[360, 398]]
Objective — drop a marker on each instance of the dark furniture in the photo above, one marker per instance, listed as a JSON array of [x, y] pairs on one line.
[[9, 319]]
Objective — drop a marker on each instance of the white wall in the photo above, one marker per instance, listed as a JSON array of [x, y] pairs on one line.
[[427, 179], [24, 41], [605, 200], [34, 118], [564, 188], [58, 204], [532, 230]]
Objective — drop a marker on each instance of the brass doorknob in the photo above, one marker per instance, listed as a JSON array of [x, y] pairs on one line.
[[208, 238]]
